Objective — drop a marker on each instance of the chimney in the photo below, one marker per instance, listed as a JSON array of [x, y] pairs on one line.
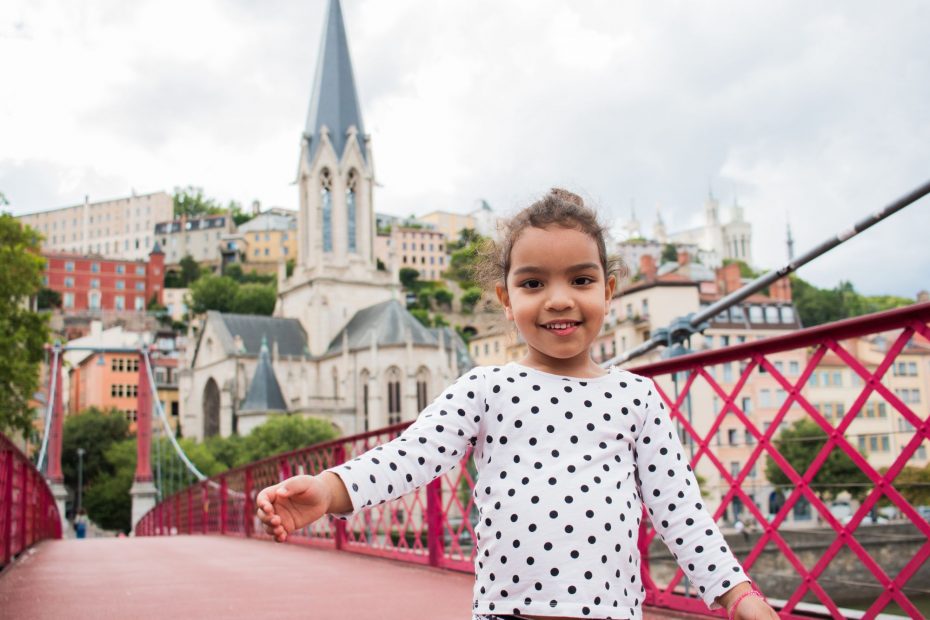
[[647, 266], [780, 290], [728, 278], [683, 258]]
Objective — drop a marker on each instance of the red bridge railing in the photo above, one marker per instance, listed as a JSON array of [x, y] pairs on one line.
[[808, 557], [28, 512]]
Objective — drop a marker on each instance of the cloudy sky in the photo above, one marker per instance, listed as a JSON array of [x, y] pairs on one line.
[[815, 113]]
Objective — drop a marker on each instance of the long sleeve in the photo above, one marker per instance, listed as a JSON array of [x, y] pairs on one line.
[[434, 444], [674, 503]]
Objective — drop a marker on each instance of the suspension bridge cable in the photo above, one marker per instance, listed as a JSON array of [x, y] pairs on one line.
[[682, 328], [53, 381], [164, 420]]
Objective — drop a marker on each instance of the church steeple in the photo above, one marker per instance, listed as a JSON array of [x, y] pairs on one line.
[[334, 102]]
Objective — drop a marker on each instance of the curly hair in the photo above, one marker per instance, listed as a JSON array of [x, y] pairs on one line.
[[559, 207]]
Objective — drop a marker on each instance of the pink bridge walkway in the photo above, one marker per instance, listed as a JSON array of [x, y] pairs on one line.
[[219, 577]]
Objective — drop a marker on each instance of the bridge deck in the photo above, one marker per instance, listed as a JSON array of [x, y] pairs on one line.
[[212, 577]]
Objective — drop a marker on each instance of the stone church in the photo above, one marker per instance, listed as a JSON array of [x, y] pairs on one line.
[[341, 344]]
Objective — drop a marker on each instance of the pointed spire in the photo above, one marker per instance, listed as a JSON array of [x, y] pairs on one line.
[[264, 391], [334, 102]]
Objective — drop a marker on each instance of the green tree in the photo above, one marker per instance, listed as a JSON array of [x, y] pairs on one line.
[[23, 333], [48, 299], [817, 306], [284, 433], [913, 483], [190, 270], [443, 297], [409, 278], [190, 201], [234, 271], [107, 500], [422, 315], [440, 321], [291, 263], [469, 298], [462, 263], [423, 299], [800, 444], [745, 271], [254, 299], [669, 254], [95, 431], [213, 293]]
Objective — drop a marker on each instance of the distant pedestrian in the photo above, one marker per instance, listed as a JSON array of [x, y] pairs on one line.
[[740, 527], [80, 523], [566, 452]]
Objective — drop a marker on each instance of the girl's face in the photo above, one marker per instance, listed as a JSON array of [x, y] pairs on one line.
[[557, 295]]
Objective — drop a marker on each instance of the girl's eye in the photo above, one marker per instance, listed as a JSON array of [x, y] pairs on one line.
[[582, 280], [531, 284]]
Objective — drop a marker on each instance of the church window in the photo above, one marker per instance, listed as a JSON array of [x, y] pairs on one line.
[[422, 382], [405, 259], [350, 211], [742, 241], [326, 196]]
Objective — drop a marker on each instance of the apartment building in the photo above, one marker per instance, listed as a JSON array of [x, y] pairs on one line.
[[448, 223], [200, 238], [271, 237], [95, 283], [118, 228], [418, 248]]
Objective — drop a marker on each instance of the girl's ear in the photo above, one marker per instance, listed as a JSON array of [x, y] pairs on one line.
[[504, 298], [609, 292]]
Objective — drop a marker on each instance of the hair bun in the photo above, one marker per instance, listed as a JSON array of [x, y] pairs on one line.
[[567, 196]]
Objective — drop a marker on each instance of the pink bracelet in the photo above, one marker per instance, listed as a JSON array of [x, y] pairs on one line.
[[731, 612]]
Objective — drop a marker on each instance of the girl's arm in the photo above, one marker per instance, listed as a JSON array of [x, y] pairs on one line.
[[675, 506]]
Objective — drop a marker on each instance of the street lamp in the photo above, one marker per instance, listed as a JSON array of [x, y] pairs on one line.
[[80, 453]]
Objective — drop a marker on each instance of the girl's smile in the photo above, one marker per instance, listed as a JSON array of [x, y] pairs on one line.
[[557, 295]]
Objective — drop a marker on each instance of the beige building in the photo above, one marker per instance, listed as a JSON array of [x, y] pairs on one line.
[[419, 248], [271, 237], [198, 237], [119, 228], [175, 302], [448, 223]]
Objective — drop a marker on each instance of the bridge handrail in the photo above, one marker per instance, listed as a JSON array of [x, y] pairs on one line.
[[433, 525], [28, 512]]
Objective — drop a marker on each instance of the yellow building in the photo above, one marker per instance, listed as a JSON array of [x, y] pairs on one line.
[[271, 237], [448, 223]]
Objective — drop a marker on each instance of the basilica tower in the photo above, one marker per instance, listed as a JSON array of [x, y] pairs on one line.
[[335, 273]]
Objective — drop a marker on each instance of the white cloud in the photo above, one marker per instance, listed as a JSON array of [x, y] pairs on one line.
[[813, 112]]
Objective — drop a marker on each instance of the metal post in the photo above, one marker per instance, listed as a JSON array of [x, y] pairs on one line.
[[190, 510], [24, 509], [247, 518], [434, 537], [224, 488], [80, 489], [54, 447], [206, 506], [8, 504], [339, 457]]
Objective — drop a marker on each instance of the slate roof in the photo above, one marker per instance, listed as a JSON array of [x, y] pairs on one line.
[[264, 391], [334, 101], [452, 339], [389, 321], [286, 333]]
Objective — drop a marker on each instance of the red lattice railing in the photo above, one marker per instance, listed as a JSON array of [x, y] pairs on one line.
[[805, 554], [28, 512]]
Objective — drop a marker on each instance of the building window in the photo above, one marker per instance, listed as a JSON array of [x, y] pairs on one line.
[[95, 267], [326, 200], [140, 303], [69, 282], [140, 286], [771, 314], [756, 314], [765, 398], [119, 302], [69, 266], [120, 285], [350, 212], [393, 388], [787, 314], [121, 269], [68, 300]]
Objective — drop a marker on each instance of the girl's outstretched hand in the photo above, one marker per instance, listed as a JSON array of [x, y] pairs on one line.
[[292, 504]]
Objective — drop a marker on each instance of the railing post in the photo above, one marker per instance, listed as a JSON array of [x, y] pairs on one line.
[[247, 520], [190, 510], [285, 469], [8, 507], [339, 457], [24, 515], [223, 509], [434, 535], [206, 507]]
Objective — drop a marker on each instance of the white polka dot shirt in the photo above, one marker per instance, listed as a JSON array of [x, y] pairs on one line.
[[564, 465]]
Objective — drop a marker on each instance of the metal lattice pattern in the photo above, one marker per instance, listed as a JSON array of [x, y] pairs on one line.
[[28, 512], [434, 525]]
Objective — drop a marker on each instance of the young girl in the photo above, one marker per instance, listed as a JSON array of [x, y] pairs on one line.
[[566, 452]]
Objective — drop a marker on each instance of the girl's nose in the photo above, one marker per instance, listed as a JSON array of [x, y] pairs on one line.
[[558, 301]]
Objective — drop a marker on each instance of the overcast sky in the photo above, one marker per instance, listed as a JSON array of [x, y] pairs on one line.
[[815, 113]]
